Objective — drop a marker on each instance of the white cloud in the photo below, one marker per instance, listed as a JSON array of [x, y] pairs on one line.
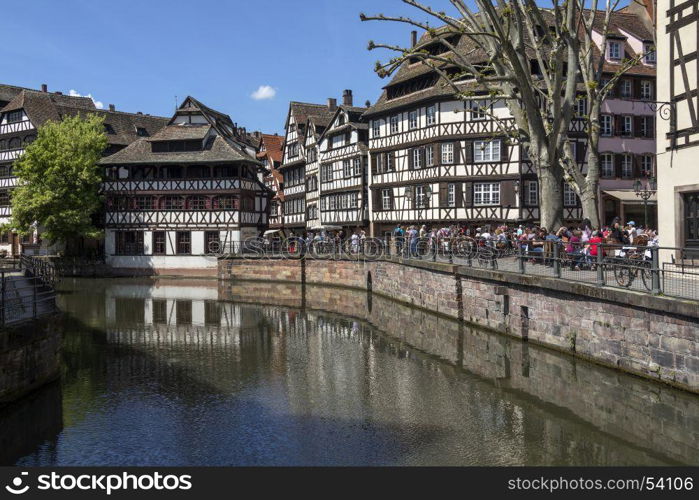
[[75, 93], [264, 92]]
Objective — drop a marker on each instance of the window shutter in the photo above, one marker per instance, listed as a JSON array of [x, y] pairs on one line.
[[393, 198], [457, 153], [651, 127], [636, 165], [580, 152], [468, 152], [618, 124], [504, 150], [437, 153], [423, 160], [617, 164], [393, 155], [636, 88], [468, 194], [411, 164], [376, 200], [442, 194], [507, 194], [637, 123], [458, 192]]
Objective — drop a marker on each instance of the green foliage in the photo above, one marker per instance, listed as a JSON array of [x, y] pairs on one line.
[[59, 179]]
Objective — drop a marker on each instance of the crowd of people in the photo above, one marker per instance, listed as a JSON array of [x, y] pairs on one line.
[[578, 243]]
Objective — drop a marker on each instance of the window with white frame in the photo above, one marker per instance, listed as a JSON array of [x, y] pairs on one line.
[[531, 193], [376, 128], [570, 199], [346, 171], [627, 166], [431, 115], [417, 158], [613, 50], [395, 121], [486, 151], [356, 166], [326, 173], [625, 88], [451, 194], [478, 109], [447, 153], [646, 126], [386, 199], [421, 199], [580, 107], [649, 53], [486, 193], [412, 120], [627, 126], [647, 166], [606, 125], [429, 156], [607, 165], [389, 162], [646, 89], [354, 199]]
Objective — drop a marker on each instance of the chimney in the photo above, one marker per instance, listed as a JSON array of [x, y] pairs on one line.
[[112, 108], [59, 93], [367, 103], [139, 112], [332, 103], [347, 97], [413, 38], [44, 87]]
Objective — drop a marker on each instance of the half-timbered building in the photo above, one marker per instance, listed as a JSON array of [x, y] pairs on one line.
[[271, 153], [23, 113], [343, 154], [179, 197], [678, 144], [297, 152], [435, 158]]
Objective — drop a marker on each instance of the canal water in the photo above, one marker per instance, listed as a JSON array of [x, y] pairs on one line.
[[178, 372]]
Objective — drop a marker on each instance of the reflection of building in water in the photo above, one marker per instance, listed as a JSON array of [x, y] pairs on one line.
[[152, 314]]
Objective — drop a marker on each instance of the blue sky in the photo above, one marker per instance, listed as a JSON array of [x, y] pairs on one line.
[[139, 55]]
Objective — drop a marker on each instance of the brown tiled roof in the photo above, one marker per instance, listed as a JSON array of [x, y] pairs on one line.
[[140, 152], [126, 125], [9, 92], [274, 147], [182, 133]]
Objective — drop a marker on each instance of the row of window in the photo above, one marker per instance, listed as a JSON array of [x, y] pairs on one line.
[[6, 238], [340, 201], [16, 142], [141, 172], [625, 166], [128, 310], [476, 109], [175, 202], [483, 194], [295, 206], [293, 176], [132, 242], [627, 126], [350, 168], [615, 51]]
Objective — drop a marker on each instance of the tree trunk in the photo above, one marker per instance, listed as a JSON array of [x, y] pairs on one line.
[[550, 198], [590, 206]]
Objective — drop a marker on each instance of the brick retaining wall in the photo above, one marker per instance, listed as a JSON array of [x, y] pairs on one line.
[[654, 337]]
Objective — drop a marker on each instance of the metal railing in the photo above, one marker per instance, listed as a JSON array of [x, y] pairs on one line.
[[642, 268], [42, 269], [24, 298]]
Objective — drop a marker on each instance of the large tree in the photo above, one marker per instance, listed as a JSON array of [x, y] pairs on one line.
[[510, 38], [59, 179]]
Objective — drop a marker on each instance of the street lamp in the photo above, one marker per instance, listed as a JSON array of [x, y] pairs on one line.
[[645, 192]]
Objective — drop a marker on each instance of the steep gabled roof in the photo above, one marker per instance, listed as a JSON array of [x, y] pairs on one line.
[[219, 151], [44, 106], [273, 147], [354, 121]]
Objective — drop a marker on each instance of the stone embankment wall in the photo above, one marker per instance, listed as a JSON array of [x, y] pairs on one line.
[[29, 357], [621, 406], [655, 337]]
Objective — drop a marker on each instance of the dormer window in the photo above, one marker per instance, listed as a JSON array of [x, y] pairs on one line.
[[108, 129], [649, 53], [141, 132], [15, 116], [614, 51]]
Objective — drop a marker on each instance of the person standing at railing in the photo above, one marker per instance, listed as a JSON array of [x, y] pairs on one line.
[[595, 245], [398, 236]]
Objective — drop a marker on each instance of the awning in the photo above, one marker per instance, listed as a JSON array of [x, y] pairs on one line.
[[630, 198], [272, 231]]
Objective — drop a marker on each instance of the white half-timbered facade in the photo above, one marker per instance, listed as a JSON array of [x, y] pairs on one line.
[[270, 154], [312, 169], [303, 121], [343, 169], [177, 199]]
